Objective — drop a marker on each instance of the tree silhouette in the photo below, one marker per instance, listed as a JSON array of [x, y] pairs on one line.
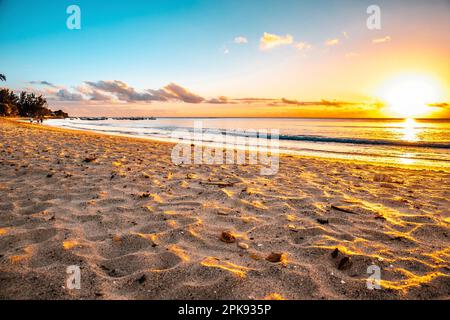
[[8, 103], [25, 104]]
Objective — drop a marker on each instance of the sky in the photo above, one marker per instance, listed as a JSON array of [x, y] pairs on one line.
[[231, 58]]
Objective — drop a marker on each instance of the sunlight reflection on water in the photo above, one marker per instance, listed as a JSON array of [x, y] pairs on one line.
[[410, 130]]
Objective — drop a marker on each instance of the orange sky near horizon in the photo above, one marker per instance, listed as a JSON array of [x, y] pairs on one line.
[[355, 79]]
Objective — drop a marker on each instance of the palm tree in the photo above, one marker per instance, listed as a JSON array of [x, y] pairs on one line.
[[2, 77]]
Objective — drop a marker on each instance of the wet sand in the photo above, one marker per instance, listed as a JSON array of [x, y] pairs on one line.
[[140, 227]]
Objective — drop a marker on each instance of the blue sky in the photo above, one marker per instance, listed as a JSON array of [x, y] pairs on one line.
[[149, 44], [166, 40]]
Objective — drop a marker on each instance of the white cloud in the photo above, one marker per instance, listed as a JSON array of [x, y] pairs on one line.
[[240, 40], [302, 46], [332, 42], [269, 41]]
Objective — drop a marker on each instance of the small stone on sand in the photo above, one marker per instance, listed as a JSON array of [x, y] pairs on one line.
[[227, 237], [243, 245]]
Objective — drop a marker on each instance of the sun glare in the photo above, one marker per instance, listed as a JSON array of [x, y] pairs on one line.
[[409, 95]]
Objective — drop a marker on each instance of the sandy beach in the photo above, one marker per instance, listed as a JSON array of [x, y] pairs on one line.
[[140, 227]]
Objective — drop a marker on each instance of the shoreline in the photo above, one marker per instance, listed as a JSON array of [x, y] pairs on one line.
[[281, 153], [141, 227]]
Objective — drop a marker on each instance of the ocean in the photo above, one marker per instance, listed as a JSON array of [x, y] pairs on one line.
[[394, 141]]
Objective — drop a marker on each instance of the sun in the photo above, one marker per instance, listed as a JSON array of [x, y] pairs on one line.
[[408, 95]]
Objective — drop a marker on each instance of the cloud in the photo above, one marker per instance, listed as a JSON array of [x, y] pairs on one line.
[[219, 100], [334, 103], [254, 100], [381, 40], [332, 42], [302, 46], [443, 105], [97, 95], [182, 94], [289, 101], [269, 41], [94, 94], [285, 102], [323, 103], [122, 91], [240, 40], [43, 83], [106, 90], [345, 34], [66, 95], [119, 92]]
